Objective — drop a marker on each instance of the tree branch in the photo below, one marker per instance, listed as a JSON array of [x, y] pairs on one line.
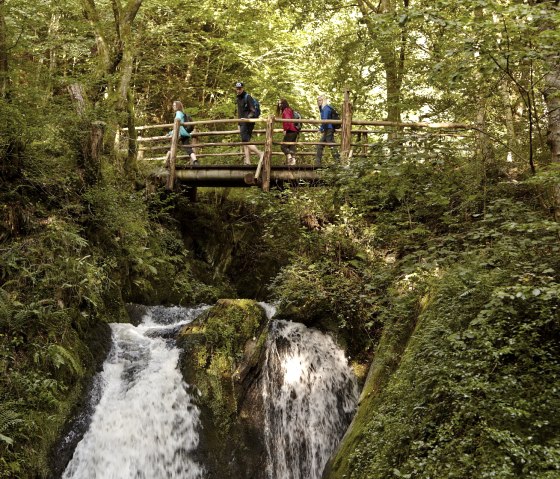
[[131, 10]]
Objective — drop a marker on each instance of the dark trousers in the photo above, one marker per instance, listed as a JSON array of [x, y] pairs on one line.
[[246, 131], [289, 149], [326, 137]]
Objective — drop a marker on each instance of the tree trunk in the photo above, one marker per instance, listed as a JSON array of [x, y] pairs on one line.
[[551, 93], [131, 166], [346, 130], [391, 50], [393, 83], [3, 53], [92, 152], [78, 96], [102, 51], [118, 64], [510, 123]]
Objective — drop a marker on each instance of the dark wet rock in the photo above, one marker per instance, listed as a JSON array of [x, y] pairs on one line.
[[224, 351]]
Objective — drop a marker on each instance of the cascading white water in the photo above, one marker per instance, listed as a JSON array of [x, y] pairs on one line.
[[310, 395], [145, 424]]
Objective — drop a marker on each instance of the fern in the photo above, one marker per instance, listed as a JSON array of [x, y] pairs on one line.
[[60, 356], [8, 420], [6, 308]]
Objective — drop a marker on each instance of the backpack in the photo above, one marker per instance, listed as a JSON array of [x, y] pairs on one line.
[[297, 124], [188, 119], [335, 116], [256, 105]]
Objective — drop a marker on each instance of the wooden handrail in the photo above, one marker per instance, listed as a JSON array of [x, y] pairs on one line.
[[312, 121], [240, 143], [199, 122]]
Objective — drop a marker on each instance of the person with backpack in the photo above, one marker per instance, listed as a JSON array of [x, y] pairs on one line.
[[291, 130], [184, 133], [326, 129], [247, 107]]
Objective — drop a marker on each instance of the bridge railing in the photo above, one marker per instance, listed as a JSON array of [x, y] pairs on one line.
[[355, 138]]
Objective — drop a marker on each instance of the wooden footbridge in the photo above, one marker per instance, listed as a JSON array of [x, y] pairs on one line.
[[354, 139]]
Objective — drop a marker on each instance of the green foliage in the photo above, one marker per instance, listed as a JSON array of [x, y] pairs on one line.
[[472, 390], [38, 373], [343, 295]]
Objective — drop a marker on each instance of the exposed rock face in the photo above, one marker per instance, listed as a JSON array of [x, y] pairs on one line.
[[224, 350]]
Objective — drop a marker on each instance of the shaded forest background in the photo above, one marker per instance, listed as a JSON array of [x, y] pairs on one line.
[[438, 257]]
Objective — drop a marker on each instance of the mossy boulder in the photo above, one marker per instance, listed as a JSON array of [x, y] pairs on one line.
[[463, 383], [223, 353]]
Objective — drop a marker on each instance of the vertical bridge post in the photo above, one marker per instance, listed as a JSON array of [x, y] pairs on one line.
[[346, 129], [173, 154], [267, 157], [139, 149]]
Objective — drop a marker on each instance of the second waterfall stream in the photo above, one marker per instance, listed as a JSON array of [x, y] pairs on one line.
[[310, 395]]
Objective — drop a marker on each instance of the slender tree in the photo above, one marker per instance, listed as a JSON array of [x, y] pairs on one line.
[[391, 43], [551, 81], [3, 52], [117, 60]]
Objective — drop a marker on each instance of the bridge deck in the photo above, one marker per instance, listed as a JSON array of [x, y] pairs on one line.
[[244, 175]]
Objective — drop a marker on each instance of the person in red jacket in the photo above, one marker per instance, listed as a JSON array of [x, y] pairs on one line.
[[291, 132]]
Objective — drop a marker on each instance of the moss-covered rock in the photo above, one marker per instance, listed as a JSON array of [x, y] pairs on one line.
[[465, 387], [223, 352]]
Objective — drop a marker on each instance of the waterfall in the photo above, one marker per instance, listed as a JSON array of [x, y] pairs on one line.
[[145, 423], [310, 395]]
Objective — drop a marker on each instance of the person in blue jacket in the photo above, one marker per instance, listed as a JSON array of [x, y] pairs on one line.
[[326, 129], [184, 135]]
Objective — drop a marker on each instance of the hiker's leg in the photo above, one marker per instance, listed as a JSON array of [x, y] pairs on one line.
[[320, 148], [247, 154], [329, 138], [246, 131], [291, 136], [191, 153], [254, 149], [286, 149]]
